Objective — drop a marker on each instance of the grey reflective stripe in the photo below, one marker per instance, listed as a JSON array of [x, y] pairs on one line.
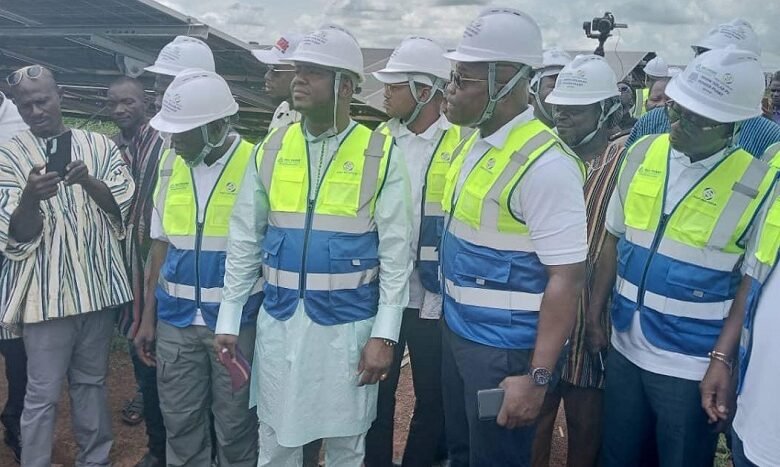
[[429, 253], [501, 299], [433, 209], [743, 193], [704, 257], [319, 282], [212, 294], [669, 306], [510, 241], [322, 222], [164, 182], [459, 148], [187, 242], [271, 150], [633, 159], [771, 152], [374, 156], [517, 160]]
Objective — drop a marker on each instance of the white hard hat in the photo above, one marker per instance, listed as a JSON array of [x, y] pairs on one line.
[[586, 80], [737, 32], [181, 54], [332, 47], [500, 35], [282, 49], [194, 98], [553, 61], [674, 71], [657, 68], [725, 85], [418, 57]]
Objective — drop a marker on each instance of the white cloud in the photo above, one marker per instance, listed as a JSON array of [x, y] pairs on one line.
[[664, 26]]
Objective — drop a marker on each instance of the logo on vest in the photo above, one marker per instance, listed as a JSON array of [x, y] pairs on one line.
[[707, 195], [490, 163], [647, 172], [288, 160], [349, 166], [230, 187], [445, 156]]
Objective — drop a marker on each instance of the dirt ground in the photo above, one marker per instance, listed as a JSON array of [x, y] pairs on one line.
[[130, 442]]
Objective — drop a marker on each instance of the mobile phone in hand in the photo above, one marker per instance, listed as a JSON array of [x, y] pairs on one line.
[[489, 403], [238, 368], [58, 153]]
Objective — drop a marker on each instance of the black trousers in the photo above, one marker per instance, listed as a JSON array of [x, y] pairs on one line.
[[146, 377], [425, 443], [16, 374]]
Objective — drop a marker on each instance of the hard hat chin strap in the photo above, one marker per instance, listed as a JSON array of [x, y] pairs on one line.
[[438, 85], [208, 146], [605, 113], [495, 95], [540, 107]]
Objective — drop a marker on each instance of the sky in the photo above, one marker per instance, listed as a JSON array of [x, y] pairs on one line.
[[666, 27]]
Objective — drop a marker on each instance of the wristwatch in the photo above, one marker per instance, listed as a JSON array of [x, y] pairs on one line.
[[541, 376]]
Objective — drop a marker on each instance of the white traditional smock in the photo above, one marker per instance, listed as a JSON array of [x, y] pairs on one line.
[[304, 377]]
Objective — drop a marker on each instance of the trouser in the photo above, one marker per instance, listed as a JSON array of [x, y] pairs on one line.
[[192, 383], [468, 367], [16, 375], [583, 410], [146, 378], [76, 348], [423, 336], [738, 457], [346, 451], [639, 404]]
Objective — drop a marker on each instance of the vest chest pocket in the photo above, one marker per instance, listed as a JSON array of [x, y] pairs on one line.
[[693, 222], [179, 214], [769, 240], [288, 190], [340, 197], [641, 202], [272, 243], [481, 270], [696, 284], [219, 211]]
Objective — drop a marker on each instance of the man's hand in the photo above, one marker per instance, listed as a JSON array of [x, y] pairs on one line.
[[76, 173], [144, 343], [224, 342], [522, 401], [718, 395], [375, 361], [595, 336], [39, 186]]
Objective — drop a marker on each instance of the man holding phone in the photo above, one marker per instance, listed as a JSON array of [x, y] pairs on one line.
[[60, 232]]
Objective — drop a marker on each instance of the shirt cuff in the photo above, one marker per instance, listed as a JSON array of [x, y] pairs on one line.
[[387, 323], [229, 318]]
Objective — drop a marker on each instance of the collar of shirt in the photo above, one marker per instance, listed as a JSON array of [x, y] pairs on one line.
[[499, 137], [122, 142], [399, 130], [311, 139], [707, 163], [222, 161]]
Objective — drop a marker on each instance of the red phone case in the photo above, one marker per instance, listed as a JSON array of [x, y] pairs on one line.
[[238, 369]]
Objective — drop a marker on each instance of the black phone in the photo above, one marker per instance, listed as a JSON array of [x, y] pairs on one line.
[[489, 403], [58, 153]]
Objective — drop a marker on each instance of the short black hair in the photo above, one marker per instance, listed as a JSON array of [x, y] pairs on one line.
[[776, 76], [128, 80]]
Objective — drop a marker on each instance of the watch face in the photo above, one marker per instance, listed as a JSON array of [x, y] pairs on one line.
[[541, 376]]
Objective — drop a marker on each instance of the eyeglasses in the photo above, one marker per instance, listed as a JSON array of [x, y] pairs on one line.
[[677, 113], [458, 79], [31, 72]]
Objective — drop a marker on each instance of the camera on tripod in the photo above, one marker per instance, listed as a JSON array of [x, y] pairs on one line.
[[600, 29]]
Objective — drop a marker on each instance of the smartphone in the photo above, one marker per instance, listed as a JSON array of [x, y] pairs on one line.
[[238, 368], [58, 153], [489, 403]]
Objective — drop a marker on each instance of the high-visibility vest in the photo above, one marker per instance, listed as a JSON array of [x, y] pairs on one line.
[[432, 221], [765, 249], [680, 271], [324, 250], [641, 96], [493, 280], [772, 155], [192, 276]]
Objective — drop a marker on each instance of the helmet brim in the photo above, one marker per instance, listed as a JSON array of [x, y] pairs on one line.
[[161, 70], [267, 56]]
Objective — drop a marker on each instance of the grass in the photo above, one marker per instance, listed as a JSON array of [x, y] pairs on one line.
[[722, 455], [105, 127]]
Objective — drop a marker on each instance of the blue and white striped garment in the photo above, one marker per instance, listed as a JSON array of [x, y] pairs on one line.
[[756, 136], [75, 265]]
